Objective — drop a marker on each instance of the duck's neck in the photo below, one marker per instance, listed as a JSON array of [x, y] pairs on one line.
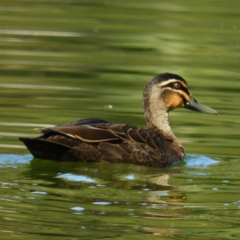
[[157, 117], [157, 120]]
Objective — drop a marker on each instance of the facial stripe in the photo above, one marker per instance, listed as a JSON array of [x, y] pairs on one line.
[[169, 84], [172, 81], [184, 95]]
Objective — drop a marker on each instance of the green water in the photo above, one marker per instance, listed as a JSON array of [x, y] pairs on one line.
[[66, 60]]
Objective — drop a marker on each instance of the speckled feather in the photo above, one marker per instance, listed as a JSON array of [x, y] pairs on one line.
[[98, 140]]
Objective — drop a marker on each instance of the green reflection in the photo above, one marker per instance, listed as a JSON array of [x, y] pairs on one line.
[[66, 60]]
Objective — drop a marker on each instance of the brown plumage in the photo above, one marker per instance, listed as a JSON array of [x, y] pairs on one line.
[[99, 140]]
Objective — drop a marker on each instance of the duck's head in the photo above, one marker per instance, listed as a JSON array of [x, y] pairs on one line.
[[171, 91]]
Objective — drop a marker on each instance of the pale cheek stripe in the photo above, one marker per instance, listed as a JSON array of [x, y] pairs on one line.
[[180, 92]]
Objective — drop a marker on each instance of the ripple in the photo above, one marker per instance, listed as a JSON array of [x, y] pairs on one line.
[[199, 161], [78, 208], [12, 160], [130, 177], [101, 203], [39, 192], [77, 178]]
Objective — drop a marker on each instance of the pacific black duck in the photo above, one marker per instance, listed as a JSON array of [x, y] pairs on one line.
[[99, 140]]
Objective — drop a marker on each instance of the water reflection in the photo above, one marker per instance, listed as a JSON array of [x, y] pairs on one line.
[[135, 194], [12, 160], [77, 178], [198, 161]]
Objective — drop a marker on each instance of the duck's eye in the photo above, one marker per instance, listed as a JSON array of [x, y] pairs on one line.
[[176, 85]]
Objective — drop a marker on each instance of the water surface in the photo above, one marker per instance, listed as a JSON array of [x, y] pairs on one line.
[[62, 61]]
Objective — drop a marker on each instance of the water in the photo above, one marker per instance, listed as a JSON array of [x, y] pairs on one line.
[[62, 61]]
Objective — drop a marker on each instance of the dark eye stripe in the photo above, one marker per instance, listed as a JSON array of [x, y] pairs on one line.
[[184, 89]]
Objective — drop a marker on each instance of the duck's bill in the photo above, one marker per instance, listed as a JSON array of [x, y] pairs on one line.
[[193, 104]]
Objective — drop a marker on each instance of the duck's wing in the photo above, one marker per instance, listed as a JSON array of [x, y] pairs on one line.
[[97, 131], [94, 140]]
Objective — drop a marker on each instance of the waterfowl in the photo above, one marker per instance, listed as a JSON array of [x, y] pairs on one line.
[[98, 140]]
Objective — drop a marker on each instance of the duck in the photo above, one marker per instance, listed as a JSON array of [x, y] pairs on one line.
[[97, 140]]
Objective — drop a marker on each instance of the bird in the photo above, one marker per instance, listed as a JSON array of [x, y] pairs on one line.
[[96, 140]]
